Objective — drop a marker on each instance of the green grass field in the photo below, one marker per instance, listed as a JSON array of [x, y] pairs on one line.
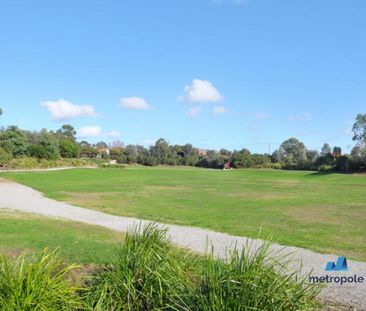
[[77, 242], [322, 212]]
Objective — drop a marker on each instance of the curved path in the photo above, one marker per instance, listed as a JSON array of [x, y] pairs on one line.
[[18, 197]]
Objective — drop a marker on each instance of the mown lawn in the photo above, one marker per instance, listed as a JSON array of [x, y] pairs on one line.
[[323, 212], [77, 242]]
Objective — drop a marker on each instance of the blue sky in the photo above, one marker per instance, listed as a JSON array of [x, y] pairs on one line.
[[216, 73]]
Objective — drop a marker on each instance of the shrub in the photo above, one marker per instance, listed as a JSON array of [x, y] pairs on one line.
[[33, 163], [326, 168], [38, 284], [5, 157], [69, 149]]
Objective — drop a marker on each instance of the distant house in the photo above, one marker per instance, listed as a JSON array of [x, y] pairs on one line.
[[227, 166], [202, 152], [102, 152]]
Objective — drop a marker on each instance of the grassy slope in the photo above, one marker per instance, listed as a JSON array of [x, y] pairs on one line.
[[78, 242], [325, 213]]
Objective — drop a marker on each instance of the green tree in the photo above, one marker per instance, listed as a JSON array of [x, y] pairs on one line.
[[161, 151], [13, 140], [294, 151], [67, 131], [337, 152], [242, 159], [131, 154], [359, 130], [50, 142], [326, 149], [69, 149]]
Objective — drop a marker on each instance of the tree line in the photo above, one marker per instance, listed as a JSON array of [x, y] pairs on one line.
[[291, 154]]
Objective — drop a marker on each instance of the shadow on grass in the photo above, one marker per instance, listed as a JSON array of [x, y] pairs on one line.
[[320, 174]]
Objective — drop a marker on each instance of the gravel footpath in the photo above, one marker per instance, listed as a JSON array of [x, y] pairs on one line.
[[18, 197]]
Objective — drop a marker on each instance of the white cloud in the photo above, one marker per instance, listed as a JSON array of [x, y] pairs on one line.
[[135, 103], [219, 110], [300, 117], [64, 110], [202, 91], [260, 116], [113, 134], [89, 131], [193, 112]]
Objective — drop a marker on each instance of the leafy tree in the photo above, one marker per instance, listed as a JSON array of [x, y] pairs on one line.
[[69, 149], [67, 131], [356, 152], [241, 159], [84, 143], [294, 151], [88, 152], [115, 153], [359, 130], [161, 151], [44, 146], [13, 140], [337, 152], [131, 154], [312, 155], [277, 156], [38, 151], [326, 150]]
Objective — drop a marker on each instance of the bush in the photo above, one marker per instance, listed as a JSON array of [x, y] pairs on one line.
[[33, 163], [326, 168], [38, 283], [69, 149], [5, 157]]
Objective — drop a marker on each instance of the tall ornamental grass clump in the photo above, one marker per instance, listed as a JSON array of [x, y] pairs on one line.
[[148, 274], [249, 280], [37, 283]]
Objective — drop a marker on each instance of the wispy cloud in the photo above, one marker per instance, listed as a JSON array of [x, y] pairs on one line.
[[113, 134], [261, 116], [134, 103], [193, 112], [300, 117], [62, 110]]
